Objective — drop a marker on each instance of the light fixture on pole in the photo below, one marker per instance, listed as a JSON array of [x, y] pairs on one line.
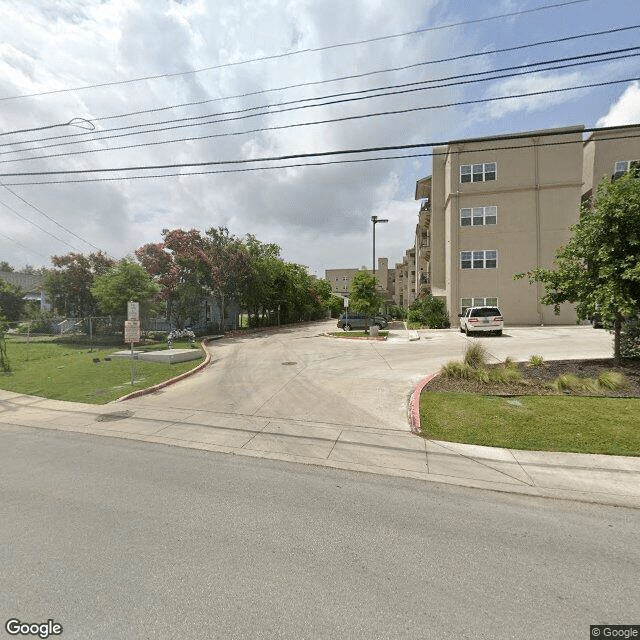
[[375, 221]]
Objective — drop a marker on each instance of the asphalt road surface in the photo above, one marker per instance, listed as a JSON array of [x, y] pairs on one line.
[[123, 539]]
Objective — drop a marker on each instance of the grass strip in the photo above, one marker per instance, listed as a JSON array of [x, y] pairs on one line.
[[67, 372], [540, 423]]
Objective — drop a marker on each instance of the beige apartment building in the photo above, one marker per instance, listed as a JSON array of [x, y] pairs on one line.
[[340, 279], [494, 207]]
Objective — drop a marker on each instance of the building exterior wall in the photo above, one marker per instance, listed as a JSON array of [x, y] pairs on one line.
[[603, 149], [535, 188], [340, 279]]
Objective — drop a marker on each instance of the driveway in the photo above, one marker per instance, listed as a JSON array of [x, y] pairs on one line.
[[300, 396], [299, 374]]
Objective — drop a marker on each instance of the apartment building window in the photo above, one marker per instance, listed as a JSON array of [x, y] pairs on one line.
[[478, 172], [478, 259], [478, 216], [465, 303], [623, 166]]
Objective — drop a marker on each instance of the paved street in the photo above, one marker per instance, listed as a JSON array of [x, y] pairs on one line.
[[123, 540], [299, 396]]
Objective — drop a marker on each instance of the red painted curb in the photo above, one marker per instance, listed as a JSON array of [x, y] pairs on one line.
[[414, 403], [381, 338], [166, 383]]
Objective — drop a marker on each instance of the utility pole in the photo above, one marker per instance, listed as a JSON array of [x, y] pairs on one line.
[[375, 221]]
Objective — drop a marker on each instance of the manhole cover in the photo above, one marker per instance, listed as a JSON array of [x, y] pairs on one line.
[[112, 417], [289, 363]]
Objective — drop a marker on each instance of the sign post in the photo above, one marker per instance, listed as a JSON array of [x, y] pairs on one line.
[[132, 328]]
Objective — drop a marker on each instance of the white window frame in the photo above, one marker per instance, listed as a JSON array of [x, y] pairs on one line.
[[479, 259], [477, 216], [478, 169]]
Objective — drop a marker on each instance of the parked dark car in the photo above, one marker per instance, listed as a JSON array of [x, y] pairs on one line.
[[348, 321]]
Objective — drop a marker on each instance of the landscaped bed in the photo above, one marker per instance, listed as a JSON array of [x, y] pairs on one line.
[[74, 373], [558, 406]]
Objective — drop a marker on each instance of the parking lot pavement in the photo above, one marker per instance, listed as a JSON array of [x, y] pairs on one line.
[[299, 396]]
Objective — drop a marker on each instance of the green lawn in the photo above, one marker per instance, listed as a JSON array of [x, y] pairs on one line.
[[67, 372], [541, 423]]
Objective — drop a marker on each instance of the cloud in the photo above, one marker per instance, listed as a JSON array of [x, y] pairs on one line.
[[625, 110], [528, 84]]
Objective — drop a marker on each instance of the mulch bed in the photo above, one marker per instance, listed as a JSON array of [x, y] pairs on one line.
[[537, 379]]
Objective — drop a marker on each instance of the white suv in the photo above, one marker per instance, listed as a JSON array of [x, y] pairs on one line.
[[485, 319]]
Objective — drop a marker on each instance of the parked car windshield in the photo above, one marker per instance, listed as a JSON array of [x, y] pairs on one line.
[[485, 312]]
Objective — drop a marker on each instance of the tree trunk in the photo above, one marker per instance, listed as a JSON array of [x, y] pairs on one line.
[[617, 329]]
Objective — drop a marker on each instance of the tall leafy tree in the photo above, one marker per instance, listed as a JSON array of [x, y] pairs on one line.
[[12, 303], [363, 296], [227, 268], [123, 282], [599, 268], [68, 285], [177, 265], [5, 266]]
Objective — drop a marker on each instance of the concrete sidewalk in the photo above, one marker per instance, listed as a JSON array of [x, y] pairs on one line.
[[611, 480]]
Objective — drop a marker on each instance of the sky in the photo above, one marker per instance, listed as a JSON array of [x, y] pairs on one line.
[[71, 71]]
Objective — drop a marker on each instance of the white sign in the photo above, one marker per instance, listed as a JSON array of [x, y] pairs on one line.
[[132, 331], [346, 302], [133, 310]]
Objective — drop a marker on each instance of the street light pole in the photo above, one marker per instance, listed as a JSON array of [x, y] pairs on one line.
[[375, 221]]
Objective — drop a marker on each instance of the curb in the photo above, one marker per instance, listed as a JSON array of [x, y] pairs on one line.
[[166, 383], [380, 338], [272, 329], [414, 403]]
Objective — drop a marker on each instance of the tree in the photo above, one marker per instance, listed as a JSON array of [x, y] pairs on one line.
[[363, 296], [5, 365], [176, 265], [599, 268], [11, 301], [5, 266], [227, 268], [68, 286], [429, 311], [123, 282]]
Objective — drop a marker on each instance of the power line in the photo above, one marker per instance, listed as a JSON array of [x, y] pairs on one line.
[[331, 162], [272, 111], [48, 217], [369, 73], [449, 143], [35, 224], [286, 157], [36, 253], [300, 51], [295, 125]]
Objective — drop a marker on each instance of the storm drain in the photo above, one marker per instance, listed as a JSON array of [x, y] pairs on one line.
[[112, 417], [289, 363]]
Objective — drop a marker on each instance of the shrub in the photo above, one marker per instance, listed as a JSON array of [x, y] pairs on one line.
[[506, 374], [536, 361], [568, 382], [482, 375], [611, 380], [476, 356], [430, 311], [456, 370], [415, 317], [630, 340], [509, 362]]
